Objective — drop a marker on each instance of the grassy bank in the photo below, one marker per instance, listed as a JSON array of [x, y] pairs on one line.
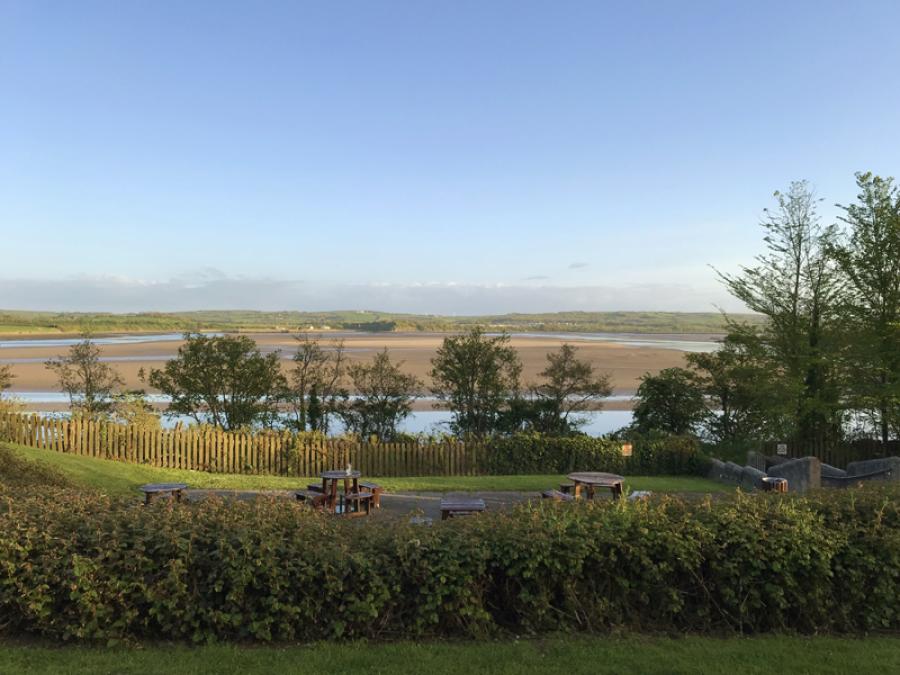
[[121, 478], [21, 322], [597, 655]]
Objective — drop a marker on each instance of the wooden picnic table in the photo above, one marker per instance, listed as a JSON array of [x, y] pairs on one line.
[[330, 480], [154, 490], [591, 480]]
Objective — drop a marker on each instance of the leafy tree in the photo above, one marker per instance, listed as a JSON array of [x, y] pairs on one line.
[[476, 375], [384, 397], [223, 380], [745, 396], [869, 257], [571, 386], [670, 401], [88, 381], [315, 383], [796, 286]]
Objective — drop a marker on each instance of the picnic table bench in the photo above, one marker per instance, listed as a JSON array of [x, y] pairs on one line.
[[154, 491], [315, 498], [352, 504], [557, 496], [460, 506]]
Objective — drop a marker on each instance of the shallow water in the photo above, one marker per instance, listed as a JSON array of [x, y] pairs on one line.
[[630, 339], [435, 421]]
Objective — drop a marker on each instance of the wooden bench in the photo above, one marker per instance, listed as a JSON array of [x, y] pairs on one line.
[[315, 487], [313, 498], [557, 496], [354, 504], [451, 507], [376, 491], [567, 488], [154, 491]]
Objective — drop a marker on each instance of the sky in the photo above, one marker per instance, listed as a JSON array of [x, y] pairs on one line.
[[438, 157]]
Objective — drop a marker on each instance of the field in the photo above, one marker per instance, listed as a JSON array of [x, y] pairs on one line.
[[819, 655], [119, 478], [22, 322]]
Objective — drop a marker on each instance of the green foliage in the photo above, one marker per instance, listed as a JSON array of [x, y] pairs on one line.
[[797, 286], [384, 398], [526, 453], [84, 567], [476, 375], [869, 258], [224, 380], [671, 402], [570, 385], [745, 396], [314, 392], [88, 381]]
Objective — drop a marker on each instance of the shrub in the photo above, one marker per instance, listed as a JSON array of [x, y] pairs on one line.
[[79, 566], [533, 453]]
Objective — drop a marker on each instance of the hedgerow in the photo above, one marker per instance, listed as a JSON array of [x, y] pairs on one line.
[[77, 566], [534, 453]]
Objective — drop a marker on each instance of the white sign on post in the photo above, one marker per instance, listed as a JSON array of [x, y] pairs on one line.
[[782, 448]]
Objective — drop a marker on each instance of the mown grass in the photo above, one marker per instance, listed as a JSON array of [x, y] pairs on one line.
[[121, 478], [580, 655]]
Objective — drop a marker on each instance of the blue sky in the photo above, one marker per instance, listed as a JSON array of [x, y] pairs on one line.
[[446, 157]]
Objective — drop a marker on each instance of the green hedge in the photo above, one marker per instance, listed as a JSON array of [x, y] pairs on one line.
[[84, 567], [533, 453]]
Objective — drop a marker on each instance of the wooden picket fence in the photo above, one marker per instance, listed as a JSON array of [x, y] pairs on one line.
[[213, 450]]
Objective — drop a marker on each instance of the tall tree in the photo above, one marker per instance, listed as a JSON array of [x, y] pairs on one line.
[[796, 286], [745, 397], [571, 385], [86, 379], [224, 380], [315, 383], [869, 257], [476, 375], [670, 401], [383, 397]]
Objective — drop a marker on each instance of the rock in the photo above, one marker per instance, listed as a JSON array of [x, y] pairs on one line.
[[802, 474], [733, 472], [751, 478], [832, 471], [871, 466], [716, 469]]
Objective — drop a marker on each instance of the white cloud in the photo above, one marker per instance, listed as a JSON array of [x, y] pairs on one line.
[[210, 289]]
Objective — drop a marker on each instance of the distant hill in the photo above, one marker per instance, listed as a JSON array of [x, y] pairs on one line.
[[21, 322]]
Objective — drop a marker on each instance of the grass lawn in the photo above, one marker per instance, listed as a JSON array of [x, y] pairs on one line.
[[123, 478], [574, 655]]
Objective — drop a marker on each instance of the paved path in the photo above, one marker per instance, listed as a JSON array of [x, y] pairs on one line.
[[393, 505]]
